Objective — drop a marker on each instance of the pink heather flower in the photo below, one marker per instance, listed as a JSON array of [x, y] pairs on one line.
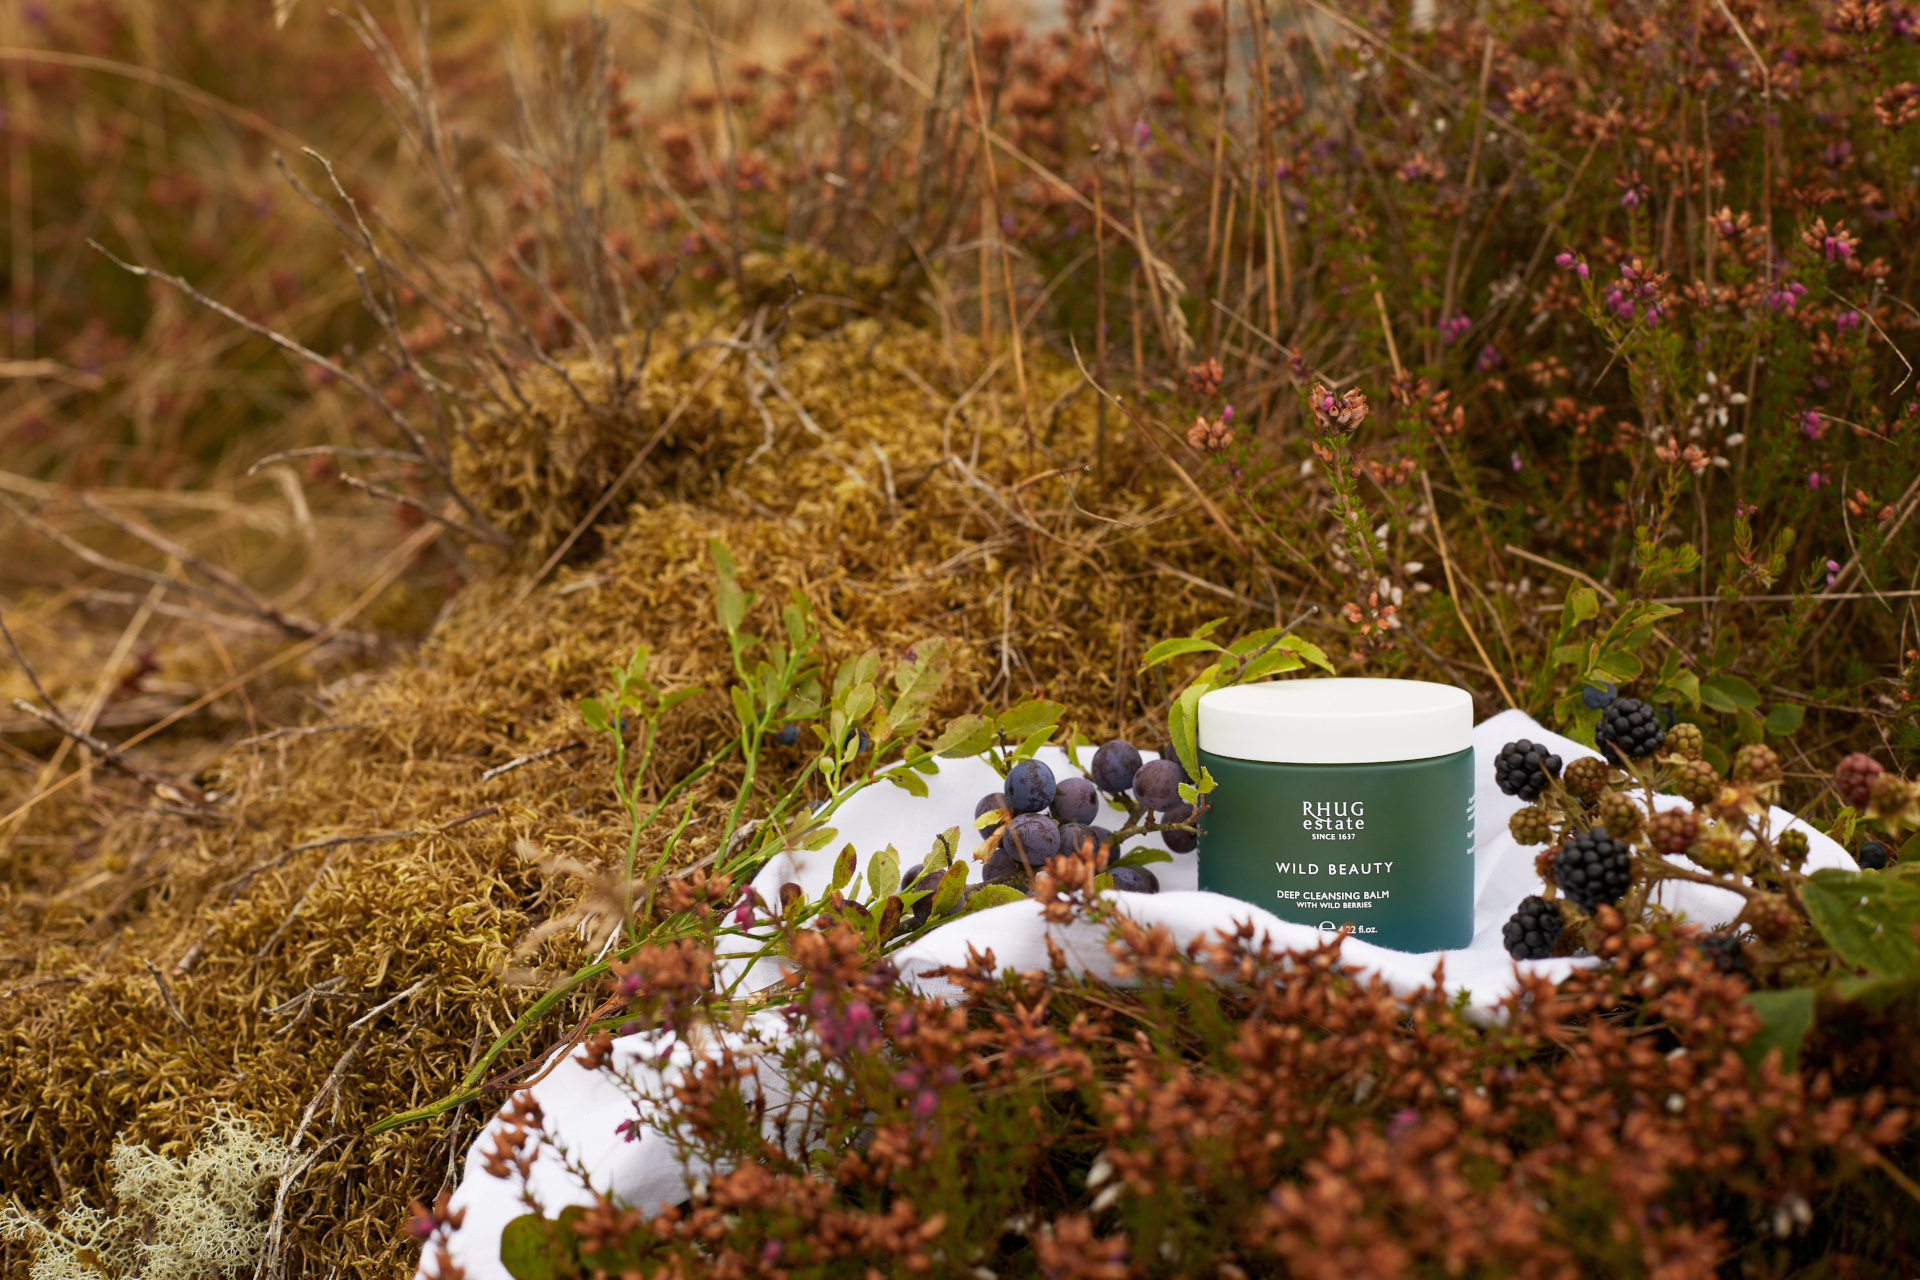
[[1811, 424], [1833, 572], [1838, 246], [743, 914], [1745, 509], [1785, 297], [1517, 461], [1282, 171], [924, 1102], [1489, 359], [1454, 327], [770, 1252], [1815, 479], [1571, 261], [1847, 320], [1402, 1121], [1142, 134]]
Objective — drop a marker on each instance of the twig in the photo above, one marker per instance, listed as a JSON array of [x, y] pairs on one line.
[[1202, 583], [1446, 563], [372, 837], [458, 525], [270, 1256], [296, 732], [519, 762], [1545, 563], [173, 1006], [325, 864], [379, 1009], [169, 791]]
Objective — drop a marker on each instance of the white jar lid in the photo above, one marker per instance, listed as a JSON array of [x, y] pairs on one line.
[[1336, 721]]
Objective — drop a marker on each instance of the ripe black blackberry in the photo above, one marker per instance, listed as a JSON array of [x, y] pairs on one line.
[[1592, 868], [1628, 730], [1873, 856], [1533, 929], [1524, 768], [1724, 950]]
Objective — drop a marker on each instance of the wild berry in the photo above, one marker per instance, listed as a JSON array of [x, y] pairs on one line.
[[993, 800], [1157, 785], [1075, 800], [1114, 765], [1792, 847], [1618, 813], [1033, 839], [1598, 697], [1853, 778], [1030, 786], [787, 735], [1586, 777], [1873, 856], [1629, 729], [1080, 837], [1533, 929], [1673, 830], [1723, 949], [1179, 841], [1697, 780], [1531, 825], [1593, 869], [1756, 762], [1524, 768], [1718, 851], [1135, 880], [1686, 741]]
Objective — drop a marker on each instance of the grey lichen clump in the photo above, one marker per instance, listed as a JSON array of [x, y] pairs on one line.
[[174, 1220]]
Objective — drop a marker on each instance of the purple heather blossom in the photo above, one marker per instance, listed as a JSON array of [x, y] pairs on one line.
[[1815, 479], [1402, 1121], [1517, 460], [1833, 572], [1454, 327], [1811, 424]]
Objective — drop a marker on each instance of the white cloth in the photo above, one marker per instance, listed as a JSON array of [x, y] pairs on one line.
[[584, 1107]]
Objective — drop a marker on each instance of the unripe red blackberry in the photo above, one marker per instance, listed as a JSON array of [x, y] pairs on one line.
[[1585, 777], [1628, 730], [1673, 830], [1757, 763], [1853, 778], [1531, 825], [1619, 814], [1697, 781], [1686, 741]]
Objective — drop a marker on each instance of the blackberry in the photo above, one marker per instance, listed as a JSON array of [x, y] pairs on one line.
[[1873, 856], [1135, 880], [1792, 847], [1179, 841], [1593, 869], [1585, 777], [1157, 784], [1114, 765], [1723, 949], [1075, 800], [1533, 929], [1756, 763], [1673, 830], [1853, 778], [1628, 730], [1531, 825], [1696, 780], [1029, 786], [1618, 813], [1598, 697], [1718, 851], [1686, 741], [1524, 768]]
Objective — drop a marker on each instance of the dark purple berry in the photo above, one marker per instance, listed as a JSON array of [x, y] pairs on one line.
[[1033, 839], [1157, 785], [1078, 837], [988, 803], [1135, 880], [787, 734], [1179, 841], [1075, 800], [1114, 765], [1029, 787], [1873, 856], [1628, 730]]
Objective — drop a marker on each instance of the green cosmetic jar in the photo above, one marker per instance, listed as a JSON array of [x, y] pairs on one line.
[[1344, 804]]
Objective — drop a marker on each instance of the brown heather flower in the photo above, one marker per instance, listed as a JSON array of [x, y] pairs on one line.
[[1337, 415], [1898, 106], [1209, 437], [1204, 378]]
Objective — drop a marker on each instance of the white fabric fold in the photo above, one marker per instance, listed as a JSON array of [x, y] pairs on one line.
[[584, 1108]]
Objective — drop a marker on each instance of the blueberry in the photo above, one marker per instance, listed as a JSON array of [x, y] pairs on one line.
[[1873, 856], [1033, 839], [1135, 880], [787, 734], [1179, 841], [1114, 765], [1029, 787], [918, 883], [1078, 837], [1157, 785], [1075, 800], [1598, 697], [864, 745], [988, 803]]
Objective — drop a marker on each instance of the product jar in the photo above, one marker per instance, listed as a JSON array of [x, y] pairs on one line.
[[1344, 804]]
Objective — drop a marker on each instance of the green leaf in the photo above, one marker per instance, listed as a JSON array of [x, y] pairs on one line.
[[1309, 650], [1582, 605], [1141, 855], [1169, 649], [537, 1248], [908, 781], [1785, 1017], [1619, 666], [947, 896], [1272, 662], [1074, 742], [742, 705], [1039, 739], [1785, 717], [890, 912], [1728, 693], [946, 847], [1867, 918], [1183, 725], [1748, 726], [730, 602], [883, 872], [860, 700], [795, 616], [1876, 992], [1029, 718], [993, 895], [678, 696], [1683, 684], [594, 712], [967, 736], [843, 870]]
